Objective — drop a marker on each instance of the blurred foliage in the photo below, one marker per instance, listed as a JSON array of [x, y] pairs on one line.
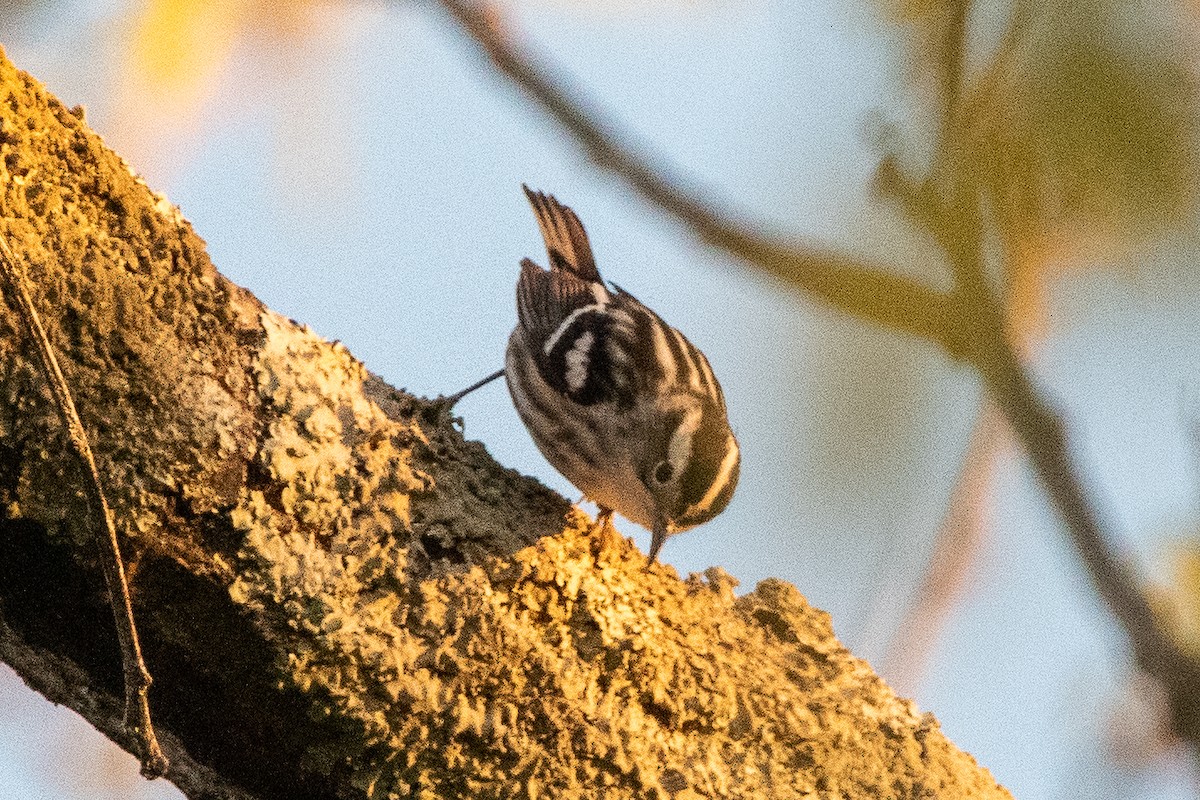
[[1076, 120], [186, 64], [1084, 126], [1178, 602], [177, 45], [1075, 123], [1071, 113]]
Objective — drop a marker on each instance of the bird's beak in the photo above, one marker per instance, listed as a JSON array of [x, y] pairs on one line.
[[659, 535]]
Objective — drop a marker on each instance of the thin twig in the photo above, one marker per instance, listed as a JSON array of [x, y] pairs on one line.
[[137, 677], [452, 400], [850, 285]]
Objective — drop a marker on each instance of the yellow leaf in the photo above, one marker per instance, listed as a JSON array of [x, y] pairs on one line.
[[177, 45]]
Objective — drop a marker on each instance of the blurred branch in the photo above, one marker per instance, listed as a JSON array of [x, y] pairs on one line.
[[1191, 425], [1036, 424], [968, 323], [1044, 438], [862, 290], [1020, 19], [957, 544], [960, 225], [953, 56]]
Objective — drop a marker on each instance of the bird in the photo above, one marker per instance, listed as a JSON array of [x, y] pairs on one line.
[[618, 401]]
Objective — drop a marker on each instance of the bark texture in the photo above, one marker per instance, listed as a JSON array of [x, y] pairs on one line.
[[337, 595]]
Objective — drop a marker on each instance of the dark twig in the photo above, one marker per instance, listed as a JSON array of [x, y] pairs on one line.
[[450, 401], [862, 290], [1042, 433], [137, 677], [968, 323]]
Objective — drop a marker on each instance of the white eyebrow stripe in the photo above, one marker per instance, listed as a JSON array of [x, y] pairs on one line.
[[731, 456], [566, 323], [680, 448]]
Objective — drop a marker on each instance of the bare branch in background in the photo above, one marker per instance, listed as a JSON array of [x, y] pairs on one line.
[[956, 549], [969, 323], [1036, 425], [862, 290], [137, 677], [1043, 435]]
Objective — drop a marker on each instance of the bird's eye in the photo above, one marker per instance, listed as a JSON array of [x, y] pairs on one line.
[[663, 472]]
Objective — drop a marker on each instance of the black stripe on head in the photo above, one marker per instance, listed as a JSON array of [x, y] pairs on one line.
[[644, 360], [684, 368], [715, 458], [708, 381]]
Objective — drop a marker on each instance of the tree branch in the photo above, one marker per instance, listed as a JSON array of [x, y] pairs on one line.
[[862, 290], [1040, 430], [337, 595], [1043, 435]]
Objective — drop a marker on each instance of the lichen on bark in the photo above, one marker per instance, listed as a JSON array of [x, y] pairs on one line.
[[340, 596]]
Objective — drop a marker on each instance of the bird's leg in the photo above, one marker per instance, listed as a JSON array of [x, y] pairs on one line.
[[606, 535], [448, 402]]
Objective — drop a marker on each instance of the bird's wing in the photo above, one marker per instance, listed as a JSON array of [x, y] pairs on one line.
[[567, 323]]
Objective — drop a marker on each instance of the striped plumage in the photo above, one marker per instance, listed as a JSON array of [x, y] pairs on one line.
[[618, 401]]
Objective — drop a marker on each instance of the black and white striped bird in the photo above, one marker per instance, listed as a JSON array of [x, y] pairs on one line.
[[618, 401]]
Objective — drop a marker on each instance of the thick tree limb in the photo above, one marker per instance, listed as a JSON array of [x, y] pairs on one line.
[[337, 595]]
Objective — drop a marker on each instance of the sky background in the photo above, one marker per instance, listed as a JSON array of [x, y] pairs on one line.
[[358, 168]]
